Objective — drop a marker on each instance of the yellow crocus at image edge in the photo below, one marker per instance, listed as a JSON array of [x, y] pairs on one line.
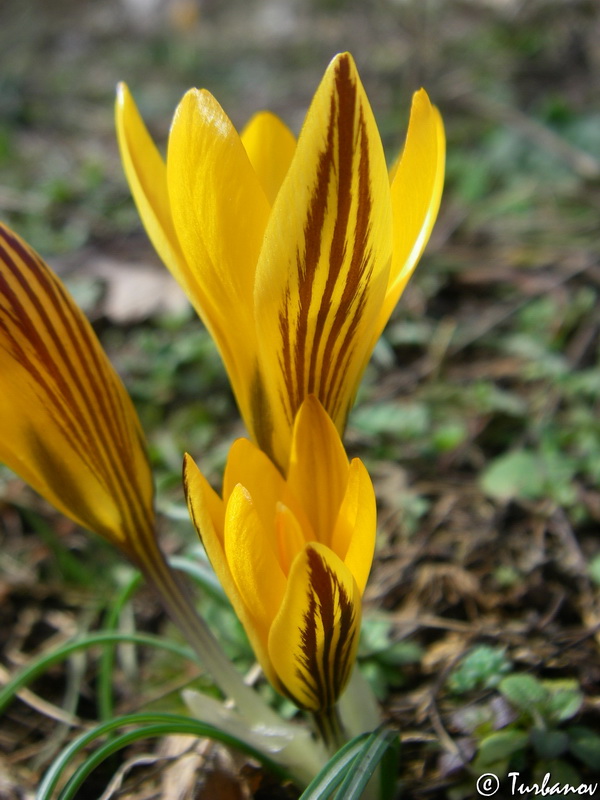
[[308, 244], [67, 424], [293, 554]]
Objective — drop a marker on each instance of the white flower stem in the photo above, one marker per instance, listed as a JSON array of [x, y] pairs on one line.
[[177, 601]]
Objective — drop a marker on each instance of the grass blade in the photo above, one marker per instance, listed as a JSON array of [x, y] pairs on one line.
[[365, 763], [105, 668], [148, 725], [44, 662], [332, 774]]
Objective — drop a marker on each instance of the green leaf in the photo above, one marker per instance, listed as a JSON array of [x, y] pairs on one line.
[[400, 654], [500, 745], [517, 473], [366, 762], [329, 778], [525, 692], [584, 743], [449, 436], [375, 634], [549, 744], [388, 770], [564, 702], [400, 420], [352, 766], [482, 666]]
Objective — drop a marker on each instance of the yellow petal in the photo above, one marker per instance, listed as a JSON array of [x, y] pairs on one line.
[[147, 177], [206, 508], [208, 515], [324, 267], [220, 212], [416, 189], [313, 639], [207, 512], [291, 537], [318, 470], [67, 425], [248, 465], [270, 145], [252, 558], [356, 526]]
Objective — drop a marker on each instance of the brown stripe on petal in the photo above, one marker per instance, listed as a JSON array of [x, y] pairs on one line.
[[313, 232], [307, 262], [285, 359], [353, 296], [262, 423], [327, 638], [78, 389], [29, 333], [346, 91], [319, 337]]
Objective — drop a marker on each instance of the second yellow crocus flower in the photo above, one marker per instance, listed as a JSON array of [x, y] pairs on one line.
[[293, 554], [293, 253]]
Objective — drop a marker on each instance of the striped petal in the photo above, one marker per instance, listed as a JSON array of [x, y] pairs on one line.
[[313, 639], [270, 145], [324, 267], [219, 212], [67, 425], [416, 188]]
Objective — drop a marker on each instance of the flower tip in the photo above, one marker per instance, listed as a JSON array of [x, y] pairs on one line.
[[313, 406], [312, 414], [421, 98], [344, 62], [345, 55], [423, 107], [122, 92], [188, 464], [189, 468]]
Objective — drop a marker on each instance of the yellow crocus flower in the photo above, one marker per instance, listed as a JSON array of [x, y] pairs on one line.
[[67, 424], [293, 253], [293, 554]]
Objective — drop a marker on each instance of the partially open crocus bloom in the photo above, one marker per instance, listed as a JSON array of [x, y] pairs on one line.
[[293, 554], [294, 254], [67, 424]]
